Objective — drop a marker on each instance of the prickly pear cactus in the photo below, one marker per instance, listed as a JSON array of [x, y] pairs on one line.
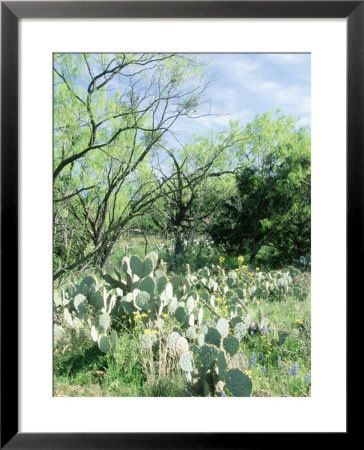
[[222, 365], [239, 361], [191, 333], [231, 345], [181, 346], [104, 343], [208, 354], [238, 383], [172, 340], [103, 322], [222, 327], [136, 265], [213, 337], [240, 330], [186, 362]]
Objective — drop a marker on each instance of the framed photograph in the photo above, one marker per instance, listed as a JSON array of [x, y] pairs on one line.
[[181, 222]]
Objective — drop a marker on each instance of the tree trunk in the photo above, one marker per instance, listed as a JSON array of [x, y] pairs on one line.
[[179, 242], [255, 249]]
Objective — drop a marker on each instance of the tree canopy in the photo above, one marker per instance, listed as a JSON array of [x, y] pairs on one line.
[[271, 206], [246, 186]]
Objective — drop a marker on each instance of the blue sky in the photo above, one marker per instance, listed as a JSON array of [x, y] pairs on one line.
[[249, 84]]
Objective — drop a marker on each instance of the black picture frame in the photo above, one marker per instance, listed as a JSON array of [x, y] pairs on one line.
[[11, 12]]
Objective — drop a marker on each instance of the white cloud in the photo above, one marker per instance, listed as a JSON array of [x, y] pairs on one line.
[[249, 84]]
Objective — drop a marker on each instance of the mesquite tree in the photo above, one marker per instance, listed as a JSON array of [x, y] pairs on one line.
[[110, 111], [190, 181]]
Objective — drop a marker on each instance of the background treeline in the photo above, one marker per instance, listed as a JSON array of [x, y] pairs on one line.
[[118, 165]]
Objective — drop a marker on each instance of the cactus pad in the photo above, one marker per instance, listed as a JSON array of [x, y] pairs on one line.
[[190, 304], [142, 300], [94, 334], [191, 320], [239, 361], [104, 343], [103, 322], [281, 338], [147, 266], [204, 329], [239, 330], [148, 340], [181, 315], [213, 337], [200, 316], [191, 332], [147, 284], [169, 290], [208, 354], [230, 282], [181, 346], [221, 365], [201, 340], [186, 362], [238, 383], [231, 345], [161, 284], [172, 339], [88, 281], [136, 265], [153, 256], [79, 303], [222, 327], [67, 318]]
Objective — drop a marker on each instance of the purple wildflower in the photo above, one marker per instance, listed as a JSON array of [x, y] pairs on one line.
[[289, 371], [252, 359], [307, 378], [223, 394], [264, 370], [295, 370], [279, 362], [264, 330], [261, 357], [252, 328]]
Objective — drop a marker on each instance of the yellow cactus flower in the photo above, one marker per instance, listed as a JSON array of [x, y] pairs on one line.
[[146, 331], [221, 259], [248, 372], [164, 315], [299, 321], [241, 259]]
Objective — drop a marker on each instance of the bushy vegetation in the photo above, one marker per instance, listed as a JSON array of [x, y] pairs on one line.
[[179, 268], [214, 332]]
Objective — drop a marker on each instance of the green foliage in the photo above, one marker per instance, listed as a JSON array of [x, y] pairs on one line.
[[273, 193]]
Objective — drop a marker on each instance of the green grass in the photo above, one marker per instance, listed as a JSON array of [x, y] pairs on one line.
[[295, 350]]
